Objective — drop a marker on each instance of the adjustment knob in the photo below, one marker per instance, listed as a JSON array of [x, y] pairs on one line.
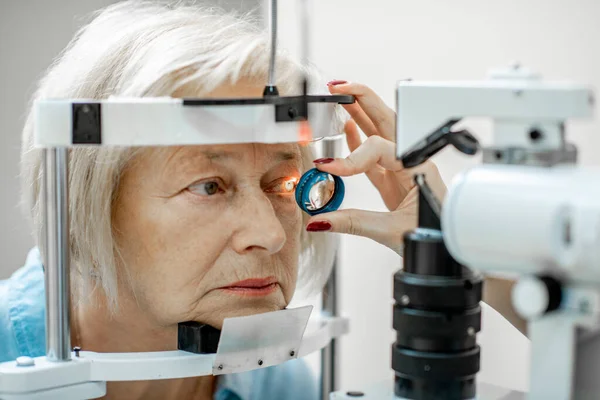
[[534, 296]]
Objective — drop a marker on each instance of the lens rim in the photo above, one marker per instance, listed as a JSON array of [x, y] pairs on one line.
[[305, 184]]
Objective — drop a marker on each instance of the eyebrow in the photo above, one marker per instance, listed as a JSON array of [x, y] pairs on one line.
[[287, 155], [216, 155]]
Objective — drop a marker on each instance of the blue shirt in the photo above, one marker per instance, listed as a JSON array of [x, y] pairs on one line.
[[22, 333]]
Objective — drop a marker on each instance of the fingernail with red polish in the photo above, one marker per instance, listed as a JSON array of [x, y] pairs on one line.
[[336, 82], [318, 226], [324, 160]]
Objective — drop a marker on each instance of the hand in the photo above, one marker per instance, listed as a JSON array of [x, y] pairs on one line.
[[376, 157]]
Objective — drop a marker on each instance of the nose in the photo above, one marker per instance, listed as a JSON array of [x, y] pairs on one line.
[[258, 226]]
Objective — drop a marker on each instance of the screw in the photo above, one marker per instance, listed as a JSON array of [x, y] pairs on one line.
[[76, 349], [260, 362], [405, 300], [85, 109], [220, 367], [292, 353], [535, 135], [427, 368], [471, 331]]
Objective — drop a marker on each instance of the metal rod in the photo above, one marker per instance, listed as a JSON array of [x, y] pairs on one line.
[[58, 330], [329, 367], [305, 43], [273, 29], [328, 354]]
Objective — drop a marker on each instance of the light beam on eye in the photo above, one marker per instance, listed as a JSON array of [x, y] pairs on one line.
[[290, 184]]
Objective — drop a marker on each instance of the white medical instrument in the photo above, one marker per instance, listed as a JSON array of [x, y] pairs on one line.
[[529, 209]]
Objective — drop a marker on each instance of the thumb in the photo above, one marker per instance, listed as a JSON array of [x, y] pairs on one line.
[[387, 228]]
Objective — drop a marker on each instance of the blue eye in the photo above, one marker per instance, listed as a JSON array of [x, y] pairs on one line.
[[208, 188]]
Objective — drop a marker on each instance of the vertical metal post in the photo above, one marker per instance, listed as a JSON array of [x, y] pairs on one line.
[[273, 30], [328, 356], [329, 148], [58, 330]]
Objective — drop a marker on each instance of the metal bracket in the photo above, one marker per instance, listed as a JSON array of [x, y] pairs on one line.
[[522, 156], [293, 111]]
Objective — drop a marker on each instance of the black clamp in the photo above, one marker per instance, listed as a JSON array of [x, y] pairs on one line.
[[198, 338], [87, 123], [463, 140]]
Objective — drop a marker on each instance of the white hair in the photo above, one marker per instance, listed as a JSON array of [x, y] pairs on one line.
[[138, 49]]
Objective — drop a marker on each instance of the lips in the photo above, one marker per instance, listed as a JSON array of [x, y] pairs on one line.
[[253, 287]]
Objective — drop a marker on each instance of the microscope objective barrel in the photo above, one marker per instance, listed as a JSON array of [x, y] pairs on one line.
[[437, 316]]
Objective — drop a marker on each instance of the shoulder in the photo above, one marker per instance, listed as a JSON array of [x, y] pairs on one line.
[[292, 380], [22, 311]]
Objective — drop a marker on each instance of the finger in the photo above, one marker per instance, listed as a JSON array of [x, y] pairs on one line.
[[375, 174], [357, 113], [352, 135], [387, 228], [383, 117], [361, 118], [433, 177], [373, 152]]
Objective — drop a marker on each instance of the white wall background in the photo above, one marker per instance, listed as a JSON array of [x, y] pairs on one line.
[[376, 42], [32, 33]]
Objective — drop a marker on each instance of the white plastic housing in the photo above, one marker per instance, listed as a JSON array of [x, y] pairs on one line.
[[166, 121], [515, 105], [526, 220]]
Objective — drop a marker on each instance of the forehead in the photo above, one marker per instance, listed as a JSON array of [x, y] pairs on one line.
[[235, 152], [255, 156]]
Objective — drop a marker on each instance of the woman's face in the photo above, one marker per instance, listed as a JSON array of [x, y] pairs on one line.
[[208, 232]]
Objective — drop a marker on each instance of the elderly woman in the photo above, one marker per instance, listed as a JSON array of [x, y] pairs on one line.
[[165, 235]]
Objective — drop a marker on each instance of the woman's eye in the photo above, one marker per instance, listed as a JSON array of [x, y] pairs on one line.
[[283, 186], [208, 188]]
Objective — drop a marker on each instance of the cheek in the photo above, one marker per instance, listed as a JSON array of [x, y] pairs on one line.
[[290, 217], [169, 249], [176, 252]]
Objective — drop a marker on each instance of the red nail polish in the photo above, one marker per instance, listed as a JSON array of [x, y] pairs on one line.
[[336, 82], [318, 226], [324, 160]]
